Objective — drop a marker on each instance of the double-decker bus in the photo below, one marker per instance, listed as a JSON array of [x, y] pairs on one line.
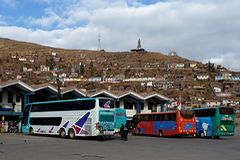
[[165, 123], [77, 117], [214, 122]]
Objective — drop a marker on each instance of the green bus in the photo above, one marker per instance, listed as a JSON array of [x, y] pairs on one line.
[[214, 122]]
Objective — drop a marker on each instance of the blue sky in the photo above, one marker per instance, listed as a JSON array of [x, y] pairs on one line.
[[200, 30], [15, 12], [19, 12]]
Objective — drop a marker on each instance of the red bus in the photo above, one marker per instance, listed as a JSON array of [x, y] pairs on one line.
[[165, 123]]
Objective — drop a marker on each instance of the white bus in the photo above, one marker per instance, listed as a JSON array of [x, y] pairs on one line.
[[70, 118]]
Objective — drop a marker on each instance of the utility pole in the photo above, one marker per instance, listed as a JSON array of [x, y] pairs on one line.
[[58, 87], [99, 42]]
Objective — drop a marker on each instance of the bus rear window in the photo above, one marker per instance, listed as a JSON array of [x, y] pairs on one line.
[[106, 103], [225, 110], [187, 114], [226, 122], [106, 118]]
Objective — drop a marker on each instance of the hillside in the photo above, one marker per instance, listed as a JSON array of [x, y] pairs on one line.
[[169, 75]]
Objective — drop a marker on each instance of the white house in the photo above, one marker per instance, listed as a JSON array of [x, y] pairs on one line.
[[44, 68], [22, 59], [202, 77], [217, 89]]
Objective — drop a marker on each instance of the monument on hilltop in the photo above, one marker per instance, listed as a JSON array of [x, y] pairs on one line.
[[139, 47]]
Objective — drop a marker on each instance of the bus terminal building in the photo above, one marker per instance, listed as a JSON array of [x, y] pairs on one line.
[[15, 94]]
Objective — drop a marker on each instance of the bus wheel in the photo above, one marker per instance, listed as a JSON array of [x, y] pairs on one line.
[[215, 137], [71, 134], [201, 134], [160, 134], [197, 135], [62, 133], [101, 138], [31, 131]]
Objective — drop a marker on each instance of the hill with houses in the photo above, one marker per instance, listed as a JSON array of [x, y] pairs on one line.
[[192, 82]]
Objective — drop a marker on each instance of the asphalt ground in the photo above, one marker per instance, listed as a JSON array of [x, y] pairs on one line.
[[21, 147]]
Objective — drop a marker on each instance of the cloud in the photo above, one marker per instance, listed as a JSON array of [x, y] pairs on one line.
[[47, 21], [199, 30], [228, 60]]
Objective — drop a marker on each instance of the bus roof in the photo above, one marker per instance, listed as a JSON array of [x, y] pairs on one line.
[[68, 100], [210, 107], [157, 113]]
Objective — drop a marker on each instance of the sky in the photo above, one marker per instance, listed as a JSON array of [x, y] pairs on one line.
[[202, 30]]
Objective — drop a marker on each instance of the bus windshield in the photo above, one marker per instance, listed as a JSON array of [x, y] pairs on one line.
[[106, 103], [225, 110], [187, 114], [25, 115]]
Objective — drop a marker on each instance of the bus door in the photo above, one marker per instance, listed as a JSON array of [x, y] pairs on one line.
[[25, 119]]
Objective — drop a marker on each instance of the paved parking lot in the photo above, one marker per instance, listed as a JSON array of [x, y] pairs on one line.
[[18, 146]]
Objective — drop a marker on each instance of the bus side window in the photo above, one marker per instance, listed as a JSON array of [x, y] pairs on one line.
[[200, 113], [165, 117], [87, 105], [205, 113], [145, 117], [160, 117], [151, 117], [173, 117], [212, 112], [155, 117]]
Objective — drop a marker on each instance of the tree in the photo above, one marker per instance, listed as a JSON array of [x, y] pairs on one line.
[[81, 69], [50, 62], [91, 68]]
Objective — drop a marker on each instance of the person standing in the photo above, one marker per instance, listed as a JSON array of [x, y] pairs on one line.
[[122, 131], [13, 106], [125, 132]]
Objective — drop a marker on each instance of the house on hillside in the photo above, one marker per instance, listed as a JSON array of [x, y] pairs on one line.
[[22, 59], [193, 65], [179, 65], [44, 68], [54, 54], [202, 77], [31, 60], [179, 77], [212, 103], [172, 53]]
